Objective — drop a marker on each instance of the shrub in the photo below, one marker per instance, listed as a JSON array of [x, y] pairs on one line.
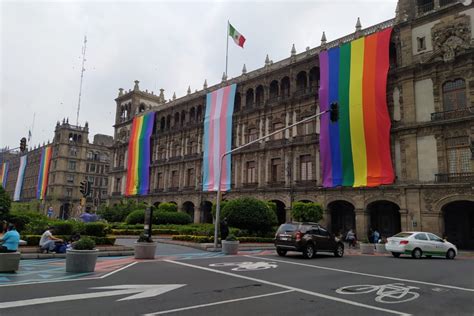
[[36, 226], [250, 214], [5, 203], [198, 239], [63, 227], [167, 207], [136, 217], [95, 229], [85, 243], [307, 212], [20, 220], [171, 218], [120, 211], [231, 238]]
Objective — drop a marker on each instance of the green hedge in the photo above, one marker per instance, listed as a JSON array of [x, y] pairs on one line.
[[119, 232], [33, 240], [138, 217], [95, 229], [198, 239], [135, 217]]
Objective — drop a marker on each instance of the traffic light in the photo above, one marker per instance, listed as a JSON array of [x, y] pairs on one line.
[[334, 112], [83, 188], [23, 144], [88, 188]]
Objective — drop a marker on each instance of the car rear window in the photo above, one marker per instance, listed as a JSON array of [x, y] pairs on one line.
[[287, 228], [403, 235]]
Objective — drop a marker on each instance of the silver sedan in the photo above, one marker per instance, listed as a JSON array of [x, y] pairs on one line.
[[418, 244]]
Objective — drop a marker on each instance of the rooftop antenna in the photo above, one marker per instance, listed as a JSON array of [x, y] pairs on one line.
[[84, 46]]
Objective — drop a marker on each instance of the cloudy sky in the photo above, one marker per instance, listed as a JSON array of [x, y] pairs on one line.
[[164, 44]]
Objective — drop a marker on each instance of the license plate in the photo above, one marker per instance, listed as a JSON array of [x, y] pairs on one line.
[[283, 238]]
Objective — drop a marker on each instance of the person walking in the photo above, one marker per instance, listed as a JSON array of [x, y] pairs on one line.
[[376, 237], [351, 238], [48, 241], [10, 240]]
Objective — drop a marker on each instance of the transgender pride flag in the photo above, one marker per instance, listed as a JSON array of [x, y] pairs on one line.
[[218, 137]]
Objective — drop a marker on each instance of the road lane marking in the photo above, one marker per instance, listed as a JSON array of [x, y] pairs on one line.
[[217, 303], [333, 298], [140, 291], [118, 270], [387, 293], [366, 274]]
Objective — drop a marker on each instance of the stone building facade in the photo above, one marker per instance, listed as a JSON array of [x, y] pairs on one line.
[[73, 160], [430, 95]]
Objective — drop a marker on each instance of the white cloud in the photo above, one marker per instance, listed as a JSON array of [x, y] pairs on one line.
[[163, 44]]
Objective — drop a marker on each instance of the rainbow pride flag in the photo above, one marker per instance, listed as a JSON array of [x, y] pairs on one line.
[[218, 137], [46, 154], [139, 151], [355, 151], [4, 174]]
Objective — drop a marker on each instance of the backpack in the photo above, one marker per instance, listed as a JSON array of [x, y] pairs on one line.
[[60, 248]]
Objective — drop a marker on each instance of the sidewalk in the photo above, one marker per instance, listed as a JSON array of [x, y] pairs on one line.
[[32, 252]]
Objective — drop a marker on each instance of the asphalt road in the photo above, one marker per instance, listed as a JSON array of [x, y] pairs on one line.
[[260, 285]]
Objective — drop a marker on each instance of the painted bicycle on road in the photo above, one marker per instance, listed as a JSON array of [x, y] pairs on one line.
[[246, 265], [388, 293]]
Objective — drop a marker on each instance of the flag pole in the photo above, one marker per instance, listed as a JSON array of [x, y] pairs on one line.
[[227, 48]]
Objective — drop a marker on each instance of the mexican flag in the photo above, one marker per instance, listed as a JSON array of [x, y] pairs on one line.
[[236, 36]]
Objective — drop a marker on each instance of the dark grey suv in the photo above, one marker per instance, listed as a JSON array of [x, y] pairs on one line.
[[307, 238]]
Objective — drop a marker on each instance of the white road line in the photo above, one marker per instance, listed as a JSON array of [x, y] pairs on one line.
[[118, 270], [337, 299], [366, 274], [217, 303]]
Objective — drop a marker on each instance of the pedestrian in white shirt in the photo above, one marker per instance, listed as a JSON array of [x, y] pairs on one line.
[[48, 241]]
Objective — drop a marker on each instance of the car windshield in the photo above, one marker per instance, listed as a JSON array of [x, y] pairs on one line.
[[403, 235], [287, 228]]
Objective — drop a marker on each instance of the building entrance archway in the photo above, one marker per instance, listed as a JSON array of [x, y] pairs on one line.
[[65, 211], [342, 216], [206, 212], [188, 207], [280, 211], [459, 223], [385, 217]]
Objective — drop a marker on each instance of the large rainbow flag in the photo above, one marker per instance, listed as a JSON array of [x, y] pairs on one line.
[[218, 137], [355, 151], [138, 177], [20, 177], [46, 154], [4, 174]]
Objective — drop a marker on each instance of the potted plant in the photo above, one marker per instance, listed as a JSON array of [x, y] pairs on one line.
[[230, 246], [82, 256], [145, 248], [366, 247]]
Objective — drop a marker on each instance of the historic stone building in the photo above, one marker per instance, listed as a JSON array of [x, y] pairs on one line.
[[430, 96], [73, 160]]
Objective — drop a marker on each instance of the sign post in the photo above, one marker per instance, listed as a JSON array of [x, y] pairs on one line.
[[148, 223]]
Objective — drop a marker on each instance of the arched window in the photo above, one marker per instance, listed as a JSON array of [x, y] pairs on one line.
[[273, 90], [199, 113], [192, 115], [454, 95], [176, 119], [301, 81], [141, 108], [249, 99], [285, 87], [237, 102], [314, 78], [168, 121], [259, 96], [183, 117], [163, 124]]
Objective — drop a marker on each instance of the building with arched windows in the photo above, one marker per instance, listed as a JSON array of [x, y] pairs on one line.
[[430, 96]]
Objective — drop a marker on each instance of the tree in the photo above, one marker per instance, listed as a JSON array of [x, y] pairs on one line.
[[5, 203], [167, 207], [306, 212], [250, 214]]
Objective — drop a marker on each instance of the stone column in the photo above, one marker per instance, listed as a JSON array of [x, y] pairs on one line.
[[237, 136], [405, 222], [197, 214], [327, 220], [362, 222], [288, 213]]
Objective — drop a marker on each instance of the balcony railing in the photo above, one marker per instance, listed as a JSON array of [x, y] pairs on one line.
[[422, 9], [454, 114], [462, 177]]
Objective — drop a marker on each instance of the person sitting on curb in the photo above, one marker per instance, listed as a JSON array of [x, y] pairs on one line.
[[48, 241], [10, 240]]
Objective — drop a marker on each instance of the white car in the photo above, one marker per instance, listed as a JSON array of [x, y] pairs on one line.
[[418, 244]]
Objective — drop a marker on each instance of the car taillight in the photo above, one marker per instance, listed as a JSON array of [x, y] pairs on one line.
[[404, 242], [298, 236]]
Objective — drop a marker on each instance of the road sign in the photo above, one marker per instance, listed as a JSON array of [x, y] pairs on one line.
[[139, 291]]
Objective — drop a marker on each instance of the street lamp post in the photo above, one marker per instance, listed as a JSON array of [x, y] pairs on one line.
[[218, 197]]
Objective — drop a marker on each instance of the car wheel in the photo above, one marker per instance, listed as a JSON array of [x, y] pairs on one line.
[[416, 253], [339, 252], [450, 254], [396, 254], [281, 252], [308, 251]]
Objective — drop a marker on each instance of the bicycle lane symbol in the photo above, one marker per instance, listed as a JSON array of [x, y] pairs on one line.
[[392, 293], [246, 266]]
